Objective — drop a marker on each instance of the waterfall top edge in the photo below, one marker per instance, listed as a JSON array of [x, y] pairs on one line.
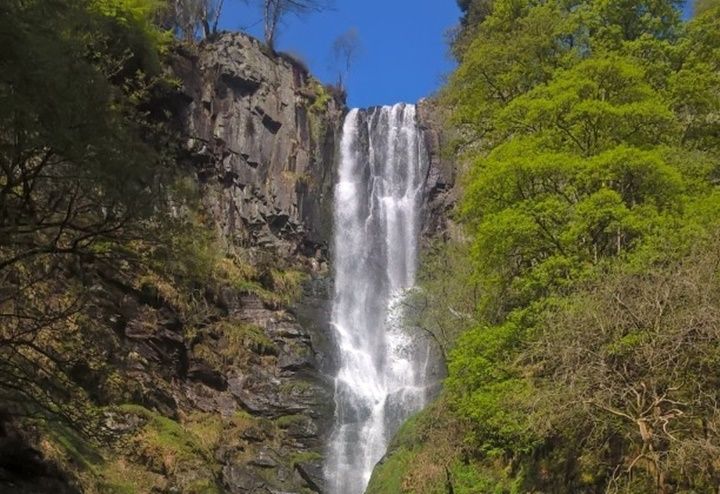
[[370, 109]]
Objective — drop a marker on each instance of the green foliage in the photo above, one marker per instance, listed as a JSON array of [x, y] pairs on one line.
[[306, 457], [164, 445], [134, 22], [589, 130], [402, 458], [445, 299], [322, 98], [286, 284], [139, 462], [80, 160], [502, 63], [287, 421], [238, 342], [702, 6], [612, 22], [491, 395], [389, 476], [594, 106]]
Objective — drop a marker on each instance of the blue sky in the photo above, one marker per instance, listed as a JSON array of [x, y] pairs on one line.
[[687, 8], [404, 54]]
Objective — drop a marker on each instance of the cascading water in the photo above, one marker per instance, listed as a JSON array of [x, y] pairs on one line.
[[382, 375]]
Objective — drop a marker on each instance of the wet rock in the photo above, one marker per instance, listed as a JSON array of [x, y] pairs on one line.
[[312, 474], [301, 427], [440, 187], [285, 329], [202, 371], [254, 434], [264, 459], [122, 423], [241, 479], [295, 357]]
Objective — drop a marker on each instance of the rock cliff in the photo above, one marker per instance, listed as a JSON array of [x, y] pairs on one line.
[[440, 190], [224, 389], [262, 134], [218, 386]]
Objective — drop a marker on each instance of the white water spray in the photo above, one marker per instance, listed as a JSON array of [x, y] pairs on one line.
[[382, 374]]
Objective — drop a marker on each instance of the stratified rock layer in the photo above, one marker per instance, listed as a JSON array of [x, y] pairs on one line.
[[262, 134]]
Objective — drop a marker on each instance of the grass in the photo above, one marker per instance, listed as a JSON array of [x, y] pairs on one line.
[[389, 477], [66, 445], [238, 342], [161, 454], [97, 470], [287, 421], [122, 477], [165, 435], [206, 427], [306, 457], [421, 454], [240, 336], [174, 449], [287, 284]]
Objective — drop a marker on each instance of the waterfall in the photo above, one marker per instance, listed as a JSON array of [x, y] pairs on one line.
[[381, 377]]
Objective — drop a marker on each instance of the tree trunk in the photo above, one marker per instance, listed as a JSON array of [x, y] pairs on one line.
[[217, 17], [273, 13], [449, 489], [206, 28]]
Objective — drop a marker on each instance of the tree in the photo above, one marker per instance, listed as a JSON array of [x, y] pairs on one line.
[[193, 15], [582, 175], [474, 13], [633, 356], [346, 48], [701, 6], [275, 10], [77, 170]]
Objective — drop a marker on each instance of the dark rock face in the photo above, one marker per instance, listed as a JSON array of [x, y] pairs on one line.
[[440, 189], [272, 386], [262, 134], [259, 134]]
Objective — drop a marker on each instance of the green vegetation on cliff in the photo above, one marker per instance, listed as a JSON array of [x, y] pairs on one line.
[[118, 299], [80, 160], [583, 343]]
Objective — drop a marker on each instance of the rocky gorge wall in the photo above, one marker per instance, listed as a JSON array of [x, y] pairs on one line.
[[261, 134], [440, 185], [222, 389], [232, 393]]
